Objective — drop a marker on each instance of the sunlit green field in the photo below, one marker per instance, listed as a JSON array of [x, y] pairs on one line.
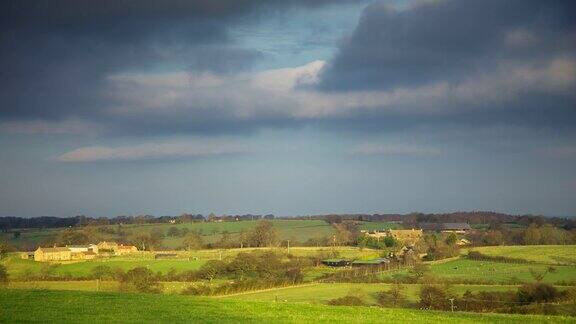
[[322, 292], [187, 260], [173, 287], [500, 272], [464, 270], [379, 226], [295, 230], [81, 307], [18, 268], [556, 254]]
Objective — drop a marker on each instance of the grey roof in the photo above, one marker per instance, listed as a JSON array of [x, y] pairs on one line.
[[456, 226], [54, 249], [444, 226]]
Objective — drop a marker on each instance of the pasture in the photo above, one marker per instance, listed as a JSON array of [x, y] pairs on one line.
[[295, 230], [553, 254], [379, 226], [18, 268], [465, 270], [323, 292], [74, 307]]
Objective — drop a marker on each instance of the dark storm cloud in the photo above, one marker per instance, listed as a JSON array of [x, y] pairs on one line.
[[56, 54], [449, 41]]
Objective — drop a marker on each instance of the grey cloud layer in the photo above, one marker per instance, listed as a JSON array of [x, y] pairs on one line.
[[441, 62], [449, 41], [56, 54]]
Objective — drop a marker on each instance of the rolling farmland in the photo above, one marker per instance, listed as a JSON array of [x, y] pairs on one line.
[[67, 307]]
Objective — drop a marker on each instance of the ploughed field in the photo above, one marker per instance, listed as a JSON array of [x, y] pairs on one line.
[[73, 306]]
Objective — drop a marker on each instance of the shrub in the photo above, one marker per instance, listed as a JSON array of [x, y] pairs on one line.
[[347, 301], [537, 292], [434, 297], [391, 298], [3, 275], [355, 297], [142, 279]]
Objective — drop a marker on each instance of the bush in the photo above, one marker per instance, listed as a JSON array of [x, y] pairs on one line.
[[347, 301], [475, 255], [355, 297], [391, 298], [434, 297], [142, 279], [537, 292], [3, 275]]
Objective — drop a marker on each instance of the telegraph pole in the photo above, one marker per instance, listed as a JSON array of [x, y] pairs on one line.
[[288, 246], [451, 303]]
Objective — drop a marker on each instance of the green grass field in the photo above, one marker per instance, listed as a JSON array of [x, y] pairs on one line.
[[18, 268], [500, 272], [554, 254], [378, 226], [80, 307], [322, 292], [192, 260], [295, 230], [463, 270]]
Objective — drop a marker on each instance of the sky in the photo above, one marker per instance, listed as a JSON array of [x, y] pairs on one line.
[[289, 107]]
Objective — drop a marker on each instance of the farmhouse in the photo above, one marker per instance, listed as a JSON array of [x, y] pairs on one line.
[[410, 236], [107, 246], [455, 228], [27, 255], [125, 249], [460, 228], [375, 234], [83, 248], [52, 254]]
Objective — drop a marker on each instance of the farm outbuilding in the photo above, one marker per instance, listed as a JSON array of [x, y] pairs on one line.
[[371, 262], [336, 262], [53, 254]]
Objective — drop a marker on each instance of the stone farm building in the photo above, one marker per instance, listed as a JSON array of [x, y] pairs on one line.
[[107, 246], [125, 249], [82, 252], [410, 236], [53, 254], [459, 228]]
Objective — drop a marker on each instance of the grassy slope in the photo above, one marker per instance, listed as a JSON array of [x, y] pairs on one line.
[[379, 226], [18, 267], [320, 293], [299, 230], [538, 253], [63, 307], [464, 269]]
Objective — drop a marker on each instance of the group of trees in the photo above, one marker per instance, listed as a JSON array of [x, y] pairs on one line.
[[249, 271]]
